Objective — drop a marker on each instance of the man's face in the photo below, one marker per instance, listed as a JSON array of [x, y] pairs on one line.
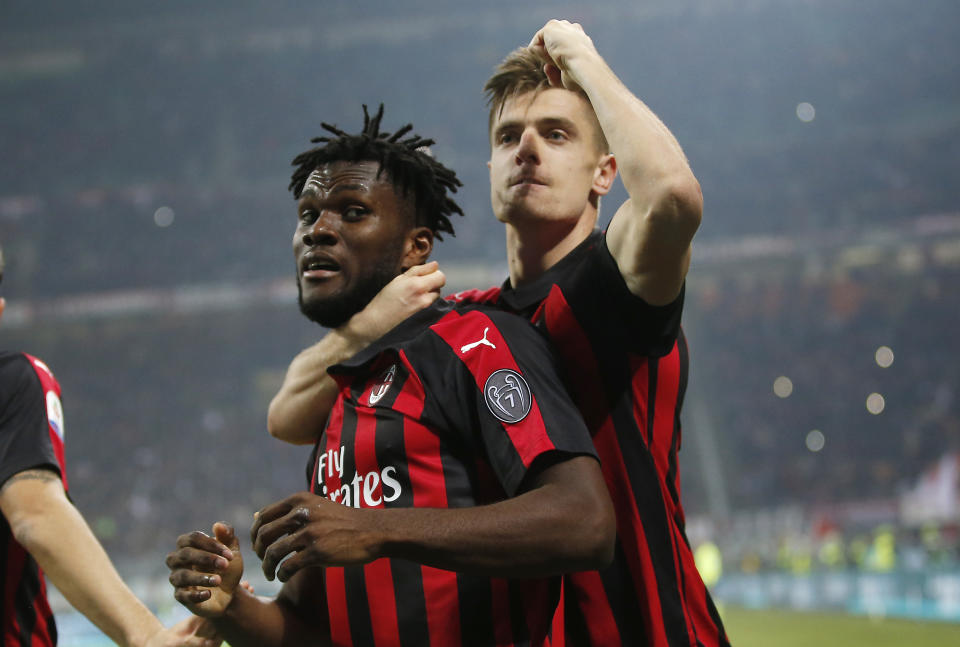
[[349, 241], [544, 157]]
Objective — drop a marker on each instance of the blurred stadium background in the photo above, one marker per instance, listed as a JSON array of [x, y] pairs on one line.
[[146, 225]]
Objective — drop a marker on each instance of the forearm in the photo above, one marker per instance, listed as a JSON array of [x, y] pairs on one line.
[[649, 157], [75, 562], [300, 408], [560, 526], [254, 622]]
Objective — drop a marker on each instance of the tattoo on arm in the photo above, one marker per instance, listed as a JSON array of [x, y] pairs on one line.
[[34, 474]]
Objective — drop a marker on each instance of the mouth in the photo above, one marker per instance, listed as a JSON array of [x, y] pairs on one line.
[[527, 180], [318, 266]]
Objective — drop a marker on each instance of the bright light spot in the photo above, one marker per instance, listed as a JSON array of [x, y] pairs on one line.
[[782, 386], [884, 357], [163, 217], [806, 112], [875, 403], [815, 440]]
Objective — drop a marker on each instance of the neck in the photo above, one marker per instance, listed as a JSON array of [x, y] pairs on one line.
[[535, 247]]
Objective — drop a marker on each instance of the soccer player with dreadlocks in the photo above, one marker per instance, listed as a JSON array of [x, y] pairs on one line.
[[453, 465]]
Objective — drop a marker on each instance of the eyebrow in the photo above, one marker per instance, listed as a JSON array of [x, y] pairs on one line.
[[308, 189], [548, 122]]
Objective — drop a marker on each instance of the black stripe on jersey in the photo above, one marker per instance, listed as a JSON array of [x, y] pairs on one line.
[[354, 584], [672, 470], [407, 576], [624, 608], [653, 516], [26, 611], [476, 611], [684, 353]]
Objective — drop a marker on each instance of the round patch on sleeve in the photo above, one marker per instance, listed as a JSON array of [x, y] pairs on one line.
[[507, 395], [55, 413]]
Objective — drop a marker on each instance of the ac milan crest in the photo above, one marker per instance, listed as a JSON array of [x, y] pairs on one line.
[[383, 385]]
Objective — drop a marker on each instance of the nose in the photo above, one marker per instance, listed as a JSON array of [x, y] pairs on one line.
[[528, 151], [321, 232]]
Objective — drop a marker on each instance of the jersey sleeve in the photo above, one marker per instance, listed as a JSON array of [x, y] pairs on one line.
[[504, 394], [24, 428], [603, 304]]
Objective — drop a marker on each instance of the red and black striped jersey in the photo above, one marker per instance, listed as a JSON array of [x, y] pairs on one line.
[[31, 436], [625, 363], [453, 408]]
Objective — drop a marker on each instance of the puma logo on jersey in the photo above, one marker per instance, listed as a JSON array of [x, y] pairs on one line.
[[482, 342]]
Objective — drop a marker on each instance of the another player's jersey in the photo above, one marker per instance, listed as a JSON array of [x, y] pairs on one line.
[[625, 363], [31, 436], [450, 409]]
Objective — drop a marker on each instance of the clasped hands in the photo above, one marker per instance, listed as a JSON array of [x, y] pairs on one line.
[[301, 531]]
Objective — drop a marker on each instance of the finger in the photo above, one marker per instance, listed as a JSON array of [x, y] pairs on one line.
[[189, 597], [536, 43], [203, 541], [185, 579], [267, 515], [227, 536], [273, 531], [197, 641], [553, 75], [297, 561], [197, 560], [277, 551], [433, 281], [421, 270]]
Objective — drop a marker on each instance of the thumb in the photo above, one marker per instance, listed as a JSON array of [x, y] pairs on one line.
[[421, 270], [225, 534]]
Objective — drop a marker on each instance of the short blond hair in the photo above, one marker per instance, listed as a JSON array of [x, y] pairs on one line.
[[522, 72]]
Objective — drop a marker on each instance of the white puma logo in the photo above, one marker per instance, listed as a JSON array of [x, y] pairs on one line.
[[483, 341]]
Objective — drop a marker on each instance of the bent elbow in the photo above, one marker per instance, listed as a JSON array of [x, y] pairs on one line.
[[681, 202]]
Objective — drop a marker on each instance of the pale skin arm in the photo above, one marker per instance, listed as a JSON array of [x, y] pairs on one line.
[[650, 234], [299, 410], [51, 529]]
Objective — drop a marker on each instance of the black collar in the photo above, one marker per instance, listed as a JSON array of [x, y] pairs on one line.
[[529, 295]]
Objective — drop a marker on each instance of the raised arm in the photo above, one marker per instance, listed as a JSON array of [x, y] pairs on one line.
[[51, 529], [299, 410], [650, 233], [564, 522]]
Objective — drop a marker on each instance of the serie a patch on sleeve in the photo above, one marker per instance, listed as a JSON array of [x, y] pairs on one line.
[[507, 395]]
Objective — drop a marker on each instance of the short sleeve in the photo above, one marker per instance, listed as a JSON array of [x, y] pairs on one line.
[[24, 429], [506, 393], [601, 301]]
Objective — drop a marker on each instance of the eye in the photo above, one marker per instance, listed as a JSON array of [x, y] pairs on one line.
[[557, 135], [506, 138], [307, 216], [354, 213]]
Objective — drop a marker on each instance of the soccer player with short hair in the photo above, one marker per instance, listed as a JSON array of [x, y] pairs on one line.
[[454, 480], [41, 532], [561, 126]]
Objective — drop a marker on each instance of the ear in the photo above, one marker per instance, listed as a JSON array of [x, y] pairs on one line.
[[3, 304], [604, 174], [417, 247]]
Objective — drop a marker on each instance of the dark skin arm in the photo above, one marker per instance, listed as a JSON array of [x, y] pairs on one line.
[[205, 573], [562, 522]]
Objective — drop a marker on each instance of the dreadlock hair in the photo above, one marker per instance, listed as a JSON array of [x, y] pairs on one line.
[[407, 162], [519, 73]]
